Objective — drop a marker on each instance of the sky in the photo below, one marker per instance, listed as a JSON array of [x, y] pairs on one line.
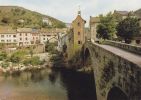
[[66, 10]]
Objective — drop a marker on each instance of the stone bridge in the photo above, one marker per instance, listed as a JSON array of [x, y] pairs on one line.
[[117, 72]]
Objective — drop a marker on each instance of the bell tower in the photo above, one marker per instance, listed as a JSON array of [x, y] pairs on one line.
[[78, 26]]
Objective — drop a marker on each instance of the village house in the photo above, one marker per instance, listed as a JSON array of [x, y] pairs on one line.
[[47, 21], [35, 37], [8, 37], [48, 35], [94, 22], [24, 36], [76, 36], [51, 35], [62, 40]]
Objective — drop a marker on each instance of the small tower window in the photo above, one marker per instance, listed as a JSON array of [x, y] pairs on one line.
[[78, 23], [78, 33], [79, 42]]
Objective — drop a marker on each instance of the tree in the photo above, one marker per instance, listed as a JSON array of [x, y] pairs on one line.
[[31, 52], [128, 28], [15, 59], [3, 55], [107, 27], [5, 20], [64, 48]]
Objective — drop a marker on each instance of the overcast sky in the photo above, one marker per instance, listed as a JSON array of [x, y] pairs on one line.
[[66, 10]]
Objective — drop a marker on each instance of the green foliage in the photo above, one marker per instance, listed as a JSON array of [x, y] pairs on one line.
[[11, 15], [31, 52], [3, 56], [5, 20], [33, 61], [59, 25], [128, 28], [107, 27], [18, 56], [51, 47], [4, 64]]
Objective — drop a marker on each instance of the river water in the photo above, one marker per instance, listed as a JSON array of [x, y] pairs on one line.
[[47, 84]]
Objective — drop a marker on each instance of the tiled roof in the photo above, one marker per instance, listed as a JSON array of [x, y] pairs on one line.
[[24, 30], [30, 30], [7, 30], [94, 19], [43, 30], [123, 13]]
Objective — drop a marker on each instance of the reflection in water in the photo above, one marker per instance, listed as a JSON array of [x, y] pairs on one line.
[[79, 86], [48, 84]]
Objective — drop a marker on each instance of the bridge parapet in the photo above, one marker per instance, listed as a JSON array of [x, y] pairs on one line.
[[128, 47], [113, 71]]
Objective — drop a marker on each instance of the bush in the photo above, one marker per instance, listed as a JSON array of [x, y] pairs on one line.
[[50, 47], [33, 61], [4, 64], [3, 55], [17, 56]]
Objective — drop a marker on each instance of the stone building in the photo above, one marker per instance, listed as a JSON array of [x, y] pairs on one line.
[[8, 37], [35, 37], [76, 36], [94, 22], [120, 15], [51, 35], [24, 36]]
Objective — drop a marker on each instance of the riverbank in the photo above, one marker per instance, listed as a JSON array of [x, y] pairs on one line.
[[59, 61], [44, 58]]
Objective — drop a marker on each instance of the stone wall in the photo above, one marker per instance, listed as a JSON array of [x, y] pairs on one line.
[[111, 70], [128, 47]]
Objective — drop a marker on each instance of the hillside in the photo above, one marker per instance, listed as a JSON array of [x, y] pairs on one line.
[[138, 13], [15, 17]]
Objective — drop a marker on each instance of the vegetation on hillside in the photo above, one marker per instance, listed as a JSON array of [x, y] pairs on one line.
[[16, 17]]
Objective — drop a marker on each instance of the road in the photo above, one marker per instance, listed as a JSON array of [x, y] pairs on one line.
[[123, 53]]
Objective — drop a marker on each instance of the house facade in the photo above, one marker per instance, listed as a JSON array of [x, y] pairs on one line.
[[8, 37], [24, 36], [94, 22]]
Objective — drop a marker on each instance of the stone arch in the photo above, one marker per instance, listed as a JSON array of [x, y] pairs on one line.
[[117, 94], [87, 57]]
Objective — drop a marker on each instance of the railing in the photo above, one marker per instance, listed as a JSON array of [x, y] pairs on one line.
[[128, 47]]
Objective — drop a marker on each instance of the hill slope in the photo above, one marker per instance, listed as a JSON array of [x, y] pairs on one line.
[[15, 17], [138, 13]]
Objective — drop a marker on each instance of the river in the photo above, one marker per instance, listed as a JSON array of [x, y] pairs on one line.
[[47, 84]]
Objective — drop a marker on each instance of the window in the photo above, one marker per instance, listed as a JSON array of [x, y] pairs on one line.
[[78, 24], [14, 35], [79, 42], [78, 33], [44, 38], [20, 38], [2, 41], [26, 39], [48, 35], [2, 36], [26, 34], [20, 34], [9, 35], [15, 41]]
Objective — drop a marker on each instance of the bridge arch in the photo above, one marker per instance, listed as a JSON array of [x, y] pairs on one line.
[[116, 93], [87, 57]]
